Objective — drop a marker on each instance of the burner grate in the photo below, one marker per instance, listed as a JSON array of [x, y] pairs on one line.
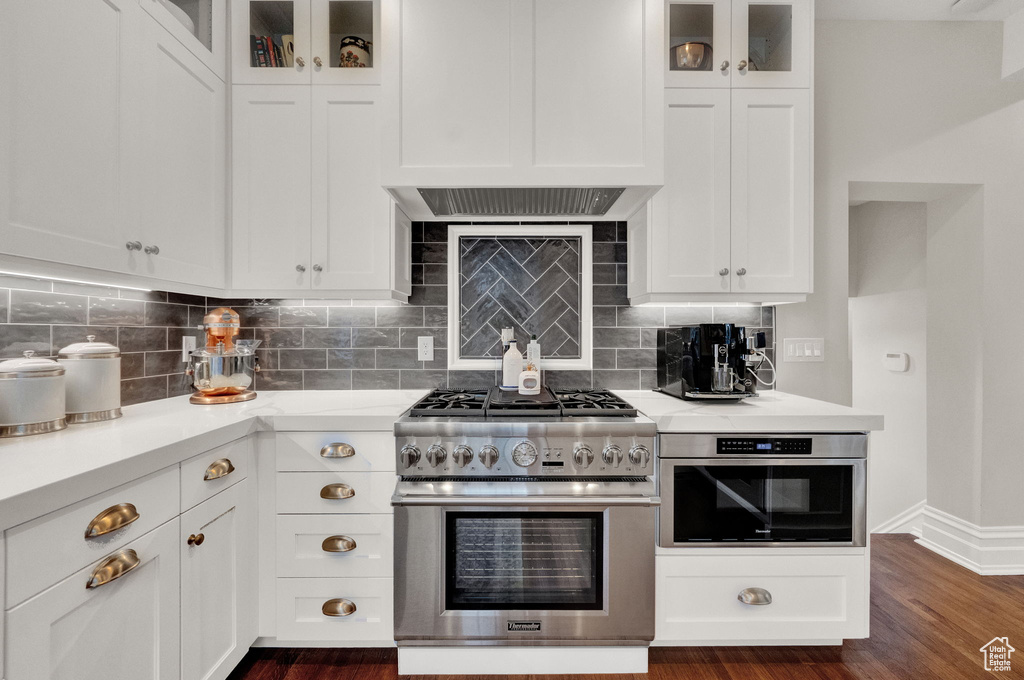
[[523, 479]]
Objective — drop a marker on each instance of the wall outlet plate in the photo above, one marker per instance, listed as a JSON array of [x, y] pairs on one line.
[[188, 344], [803, 350], [425, 348]]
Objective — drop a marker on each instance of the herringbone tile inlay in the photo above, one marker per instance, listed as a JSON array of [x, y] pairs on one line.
[[529, 284]]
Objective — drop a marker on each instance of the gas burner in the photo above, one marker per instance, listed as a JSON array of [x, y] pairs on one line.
[[451, 402], [593, 403]]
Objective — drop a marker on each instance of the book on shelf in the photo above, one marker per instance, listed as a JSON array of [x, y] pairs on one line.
[[272, 51], [288, 49]]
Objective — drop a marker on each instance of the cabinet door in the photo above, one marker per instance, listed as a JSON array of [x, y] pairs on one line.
[[773, 37], [571, 108], [344, 35], [62, 130], [258, 25], [126, 628], [199, 25], [351, 211], [179, 154], [771, 191], [699, 41], [690, 228], [218, 584], [271, 197]]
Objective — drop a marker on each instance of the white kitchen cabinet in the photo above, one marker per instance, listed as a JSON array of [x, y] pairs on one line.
[[507, 93], [177, 184], [124, 628], [754, 44], [271, 150], [208, 38], [218, 584], [349, 612], [63, 130], [771, 191], [309, 210], [314, 52], [820, 597], [734, 219]]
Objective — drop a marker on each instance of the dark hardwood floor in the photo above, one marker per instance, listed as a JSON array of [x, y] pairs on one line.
[[929, 616]]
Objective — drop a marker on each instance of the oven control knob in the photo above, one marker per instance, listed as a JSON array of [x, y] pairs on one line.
[[524, 454], [639, 455], [462, 455], [612, 455], [436, 455], [410, 455], [488, 456], [583, 456]]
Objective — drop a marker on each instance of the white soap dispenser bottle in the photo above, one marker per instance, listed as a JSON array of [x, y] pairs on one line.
[[511, 367]]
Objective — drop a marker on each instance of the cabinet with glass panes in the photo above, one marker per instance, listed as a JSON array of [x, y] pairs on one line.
[[739, 43], [305, 41], [199, 25]]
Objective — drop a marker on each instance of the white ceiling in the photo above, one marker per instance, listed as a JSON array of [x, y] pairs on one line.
[[917, 10]]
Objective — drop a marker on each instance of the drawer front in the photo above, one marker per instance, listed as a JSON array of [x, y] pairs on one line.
[[357, 545], [334, 451], [812, 597], [207, 474], [300, 615], [299, 492], [46, 550]]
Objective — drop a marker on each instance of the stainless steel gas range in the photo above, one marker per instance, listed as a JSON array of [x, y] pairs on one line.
[[524, 520]]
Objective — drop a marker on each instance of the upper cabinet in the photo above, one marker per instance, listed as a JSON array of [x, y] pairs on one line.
[[199, 25], [739, 43], [305, 41], [523, 93]]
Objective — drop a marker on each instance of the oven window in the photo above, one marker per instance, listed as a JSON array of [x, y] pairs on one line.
[[758, 503], [524, 560]]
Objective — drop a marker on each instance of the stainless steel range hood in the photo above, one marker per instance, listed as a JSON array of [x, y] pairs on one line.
[[523, 201]]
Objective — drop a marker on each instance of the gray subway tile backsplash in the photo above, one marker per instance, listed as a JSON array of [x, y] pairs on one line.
[[344, 344]]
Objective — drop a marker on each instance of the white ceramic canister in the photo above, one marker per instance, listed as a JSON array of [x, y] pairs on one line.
[[93, 380], [31, 396]]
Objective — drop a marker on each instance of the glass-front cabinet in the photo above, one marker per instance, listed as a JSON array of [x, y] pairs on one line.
[[199, 25], [331, 42], [739, 43]]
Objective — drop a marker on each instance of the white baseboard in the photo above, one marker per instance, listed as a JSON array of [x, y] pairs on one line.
[[480, 660], [907, 522], [988, 551]]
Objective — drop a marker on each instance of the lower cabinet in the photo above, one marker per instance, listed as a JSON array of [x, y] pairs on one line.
[[218, 584], [809, 597], [350, 612], [117, 618]]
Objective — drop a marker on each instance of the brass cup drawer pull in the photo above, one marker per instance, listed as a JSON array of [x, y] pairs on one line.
[[113, 518], [338, 544], [195, 539], [337, 450], [339, 607], [218, 468], [113, 568], [755, 596], [337, 492]]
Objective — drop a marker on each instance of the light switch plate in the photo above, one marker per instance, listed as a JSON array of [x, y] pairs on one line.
[[425, 348], [188, 344], [803, 350]]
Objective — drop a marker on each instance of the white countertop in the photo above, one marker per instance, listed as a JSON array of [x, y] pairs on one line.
[[768, 412], [41, 473]]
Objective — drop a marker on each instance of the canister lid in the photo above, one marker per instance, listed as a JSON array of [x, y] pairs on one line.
[[30, 367], [90, 350]]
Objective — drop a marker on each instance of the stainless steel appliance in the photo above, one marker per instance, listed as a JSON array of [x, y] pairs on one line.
[[709, 361], [749, 490], [524, 520], [224, 370]]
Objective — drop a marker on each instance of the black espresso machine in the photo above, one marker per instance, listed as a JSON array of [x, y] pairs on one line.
[[709, 361]]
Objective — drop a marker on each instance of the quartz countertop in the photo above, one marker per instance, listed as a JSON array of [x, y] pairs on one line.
[[44, 472], [768, 412]]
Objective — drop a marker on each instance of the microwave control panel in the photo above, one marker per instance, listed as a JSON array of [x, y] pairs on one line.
[[752, 446]]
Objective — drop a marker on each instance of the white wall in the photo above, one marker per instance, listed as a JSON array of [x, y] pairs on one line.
[[888, 313], [892, 105]]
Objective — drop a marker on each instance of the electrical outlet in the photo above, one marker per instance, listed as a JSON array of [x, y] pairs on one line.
[[425, 348], [188, 344], [803, 349]]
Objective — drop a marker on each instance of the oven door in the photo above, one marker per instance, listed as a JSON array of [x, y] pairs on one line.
[[751, 503], [524, 571]]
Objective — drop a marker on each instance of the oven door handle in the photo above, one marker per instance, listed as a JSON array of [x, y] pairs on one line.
[[547, 501]]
